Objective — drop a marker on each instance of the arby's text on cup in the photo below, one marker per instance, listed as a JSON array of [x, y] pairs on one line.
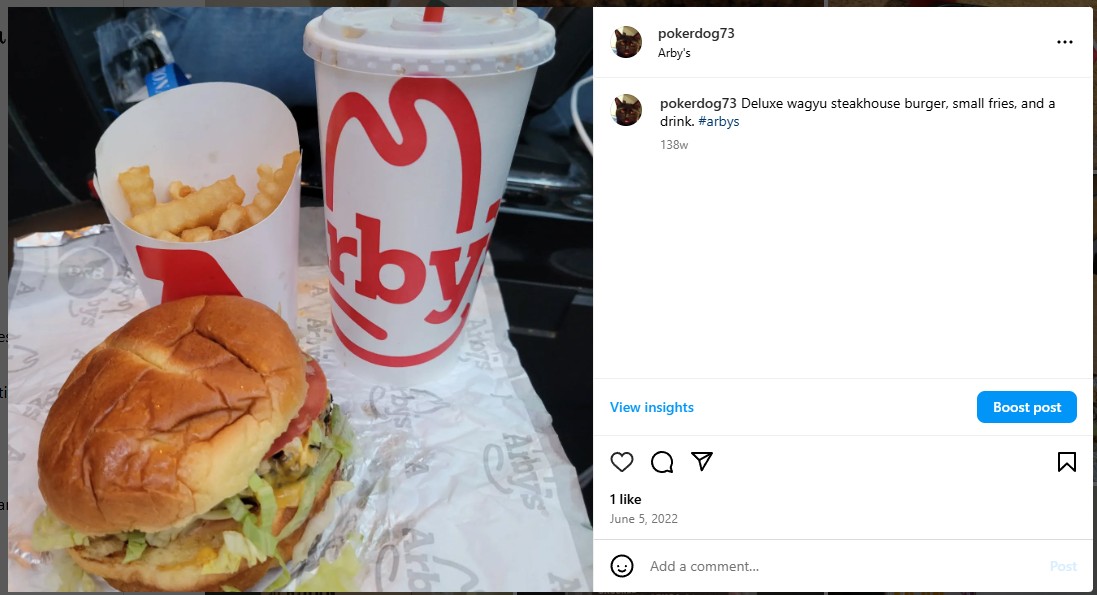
[[452, 267]]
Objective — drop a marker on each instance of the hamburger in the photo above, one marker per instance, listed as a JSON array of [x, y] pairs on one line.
[[188, 450]]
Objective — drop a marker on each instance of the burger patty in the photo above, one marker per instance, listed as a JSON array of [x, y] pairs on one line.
[[104, 547], [285, 468], [298, 456]]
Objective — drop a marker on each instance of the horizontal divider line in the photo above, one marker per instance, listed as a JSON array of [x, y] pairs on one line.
[[841, 435], [834, 77], [1080, 379], [843, 539]]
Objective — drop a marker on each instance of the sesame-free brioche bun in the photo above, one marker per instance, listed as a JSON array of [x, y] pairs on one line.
[[179, 567], [170, 415]]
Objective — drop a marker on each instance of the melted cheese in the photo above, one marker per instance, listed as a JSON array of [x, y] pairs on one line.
[[295, 461], [206, 554], [289, 496]]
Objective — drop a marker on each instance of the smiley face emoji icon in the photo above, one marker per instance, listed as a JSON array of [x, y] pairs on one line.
[[621, 566]]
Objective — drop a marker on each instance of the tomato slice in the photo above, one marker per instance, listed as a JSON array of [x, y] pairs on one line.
[[315, 401]]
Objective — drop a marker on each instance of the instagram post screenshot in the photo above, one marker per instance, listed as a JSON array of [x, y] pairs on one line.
[[301, 298]]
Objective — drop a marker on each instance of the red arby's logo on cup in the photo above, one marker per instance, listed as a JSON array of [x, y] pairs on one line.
[[437, 284]]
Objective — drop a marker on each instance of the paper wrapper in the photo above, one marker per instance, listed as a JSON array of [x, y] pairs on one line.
[[199, 134], [459, 485]]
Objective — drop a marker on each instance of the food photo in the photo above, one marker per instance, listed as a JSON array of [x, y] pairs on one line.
[[315, 317], [193, 433]]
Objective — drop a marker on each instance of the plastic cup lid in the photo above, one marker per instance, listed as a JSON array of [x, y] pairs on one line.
[[396, 41]]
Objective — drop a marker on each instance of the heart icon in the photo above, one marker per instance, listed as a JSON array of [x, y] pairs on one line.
[[621, 460]]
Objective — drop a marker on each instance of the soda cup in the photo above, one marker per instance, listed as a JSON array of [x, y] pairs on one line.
[[419, 114], [199, 134]]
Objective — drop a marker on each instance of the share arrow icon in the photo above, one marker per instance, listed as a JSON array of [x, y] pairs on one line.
[[702, 458]]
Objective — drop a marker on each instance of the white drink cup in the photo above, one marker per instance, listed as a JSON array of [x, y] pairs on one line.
[[418, 125], [199, 134]]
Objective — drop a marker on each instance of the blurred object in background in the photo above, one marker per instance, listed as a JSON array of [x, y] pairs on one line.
[[56, 103], [130, 48], [261, 47]]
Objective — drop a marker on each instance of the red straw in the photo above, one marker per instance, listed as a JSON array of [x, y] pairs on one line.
[[433, 14]]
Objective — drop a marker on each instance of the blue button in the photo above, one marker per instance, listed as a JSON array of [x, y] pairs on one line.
[[1027, 407]]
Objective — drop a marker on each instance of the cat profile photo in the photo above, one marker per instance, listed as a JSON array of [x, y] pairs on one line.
[[626, 109], [627, 42]]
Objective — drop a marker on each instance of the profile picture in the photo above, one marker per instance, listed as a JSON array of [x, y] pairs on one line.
[[626, 42], [626, 109]]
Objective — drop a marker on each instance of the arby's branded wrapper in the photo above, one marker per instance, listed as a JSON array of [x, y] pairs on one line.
[[459, 485], [199, 134], [418, 125]]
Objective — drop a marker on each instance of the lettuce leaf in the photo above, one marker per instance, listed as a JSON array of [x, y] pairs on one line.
[[165, 537], [217, 514], [268, 505], [343, 446], [257, 541], [340, 433], [236, 549], [135, 546], [316, 434], [50, 533], [237, 509], [259, 532], [72, 578], [340, 487], [328, 460], [337, 576], [263, 539]]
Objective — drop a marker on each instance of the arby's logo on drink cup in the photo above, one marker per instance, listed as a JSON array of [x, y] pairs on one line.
[[420, 114], [434, 288]]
